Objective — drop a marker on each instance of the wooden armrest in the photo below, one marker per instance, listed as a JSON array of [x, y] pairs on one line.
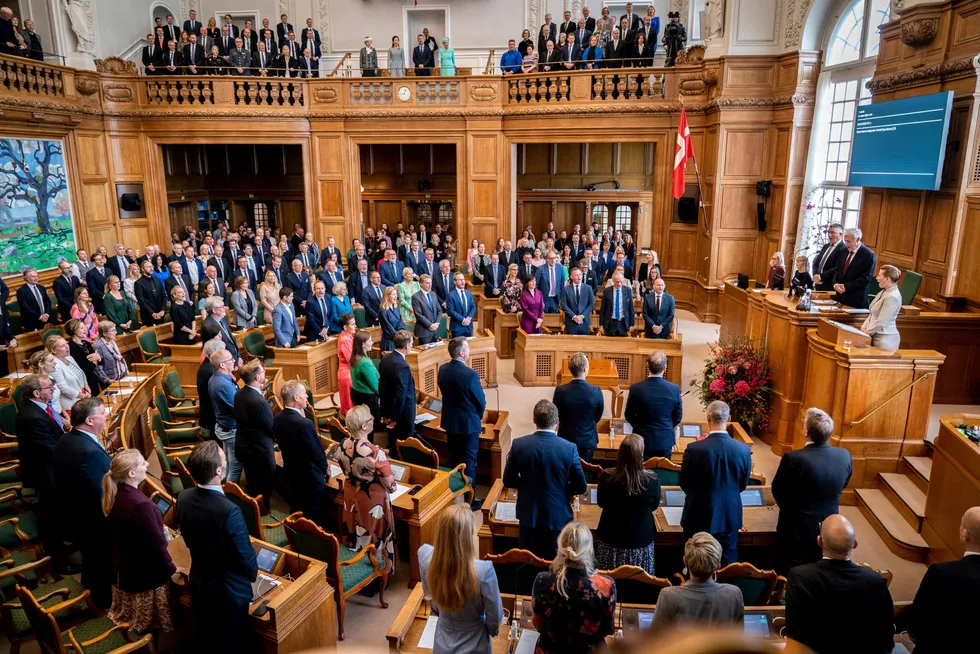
[[177, 449], [178, 424], [18, 570], [10, 437], [122, 626], [8, 445], [10, 466], [360, 555], [13, 520], [9, 495], [70, 603]]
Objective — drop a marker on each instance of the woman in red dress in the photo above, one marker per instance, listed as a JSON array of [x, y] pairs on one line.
[[345, 350], [532, 308]]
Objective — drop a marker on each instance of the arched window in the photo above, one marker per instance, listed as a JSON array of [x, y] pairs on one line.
[[446, 214], [600, 214], [624, 218], [260, 215], [423, 213], [855, 36]]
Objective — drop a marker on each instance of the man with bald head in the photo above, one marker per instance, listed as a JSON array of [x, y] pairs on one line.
[[835, 605], [941, 616]]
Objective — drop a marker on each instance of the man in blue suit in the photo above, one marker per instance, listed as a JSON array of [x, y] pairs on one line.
[[577, 302], [463, 404], [547, 473], [224, 562], [331, 275], [442, 283], [299, 282], [95, 279], [658, 312], [64, 289], [371, 299], [654, 408], [284, 324], [580, 406], [493, 277], [461, 308], [551, 279], [318, 314], [360, 281], [80, 462], [414, 256], [616, 313], [391, 269], [396, 389], [713, 474]]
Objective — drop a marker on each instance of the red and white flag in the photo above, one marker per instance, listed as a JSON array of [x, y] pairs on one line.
[[684, 151]]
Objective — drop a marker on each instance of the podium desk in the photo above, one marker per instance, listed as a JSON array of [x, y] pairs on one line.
[[494, 440], [506, 326], [301, 612], [602, 373], [611, 433], [424, 360], [734, 305], [954, 486], [317, 364], [538, 358], [418, 512]]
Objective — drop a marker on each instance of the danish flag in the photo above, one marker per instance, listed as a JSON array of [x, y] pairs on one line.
[[684, 151]]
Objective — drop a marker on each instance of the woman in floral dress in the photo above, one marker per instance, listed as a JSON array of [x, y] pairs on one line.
[[512, 288]]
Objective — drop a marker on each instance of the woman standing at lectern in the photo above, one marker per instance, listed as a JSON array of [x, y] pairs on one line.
[[884, 310]]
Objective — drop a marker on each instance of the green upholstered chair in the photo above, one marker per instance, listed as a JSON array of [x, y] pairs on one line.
[[20, 567], [264, 527], [360, 317], [17, 531], [757, 585], [17, 395], [337, 431], [909, 286], [443, 331], [592, 471], [635, 585], [166, 455], [516, 569], [48, 333], [412, 450], [8, 418], [255, 348], [347, 571], [171, 433], [181, 406], [668, 472], [149, 347], [465, 269], [14, 621]]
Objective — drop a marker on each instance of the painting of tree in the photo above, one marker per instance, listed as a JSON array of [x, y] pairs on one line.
[[36, 228]]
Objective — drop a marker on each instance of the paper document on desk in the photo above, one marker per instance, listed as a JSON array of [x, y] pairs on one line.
[[132, 379], [527, 643], [123, 391], [505, 512], [673, 515], [593, 496], [424, 417], [334, 470], [428, 639], [400, 490], [856, 311]]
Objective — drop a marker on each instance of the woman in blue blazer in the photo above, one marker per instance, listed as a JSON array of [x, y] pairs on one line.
[[390, 317], [339, 305], [592, 55]]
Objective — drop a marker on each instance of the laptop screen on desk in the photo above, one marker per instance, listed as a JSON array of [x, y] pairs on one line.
[[750, 497], [757, 625]]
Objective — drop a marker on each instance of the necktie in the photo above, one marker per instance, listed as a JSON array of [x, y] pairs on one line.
[[192, 54], [657, 306], [493, 272], [377, 290], [445, 282], [37, 296], [576, 295], [262, 58], [551, 281], [429, 299], [616, 305], [323, 310], [848, 261], [171, 59], [823, 259], [50, 412]]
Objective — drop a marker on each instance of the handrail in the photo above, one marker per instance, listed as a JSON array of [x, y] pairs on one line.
[[488, 69], [340, 63], [855, 423]]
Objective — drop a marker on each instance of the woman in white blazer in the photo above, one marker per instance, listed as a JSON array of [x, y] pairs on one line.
[[884, 310], [67, 376]]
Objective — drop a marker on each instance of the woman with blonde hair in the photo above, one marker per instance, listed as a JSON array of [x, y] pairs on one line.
[[510, 299], [573, 605], [463, 589], [143, 567], [777, 272], [67, 375], [390, 318], [129, 284], [406, 291], [269, 295], [118, 307]]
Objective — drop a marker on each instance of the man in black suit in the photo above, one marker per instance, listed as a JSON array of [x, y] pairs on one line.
[[171, 32], [303, 459], [396, 389], [826, 261], [255, 441], [119, 262], [64, 289], [852, 277], [836, 606], [371, 299], [299, 281], [171, 61], [224, 562], [443, 283], [568, 25], [713, 474], [221, 267], [35, 50], [550, 61], [231, 254], [493, 277], [807, 488], [633, 20], [658, 311], [151, 55], [226, 43], [204, 372], [38, 433], [233, 30], [283, 28], [422, 58], [217, 323], [506, 256], [311, 38], [95, 279], [192, 25], [580, 406], [35, 305], [615, 51], [589, 21], [308, 67], [80, 462], [428, 312], [547, 34], [526, 270], [270, 43], [178, 278], [193, 54], [616, 312], [654, 408], [571, 52], [318, 314], [359, 282], [942, 613]]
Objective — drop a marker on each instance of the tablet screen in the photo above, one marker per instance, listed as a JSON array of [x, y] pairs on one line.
[[163, 505], [691, 431], [398, 471], [644, 619], [674, 498], [435, 405], [757, 625], [266, 559], [752, 498]]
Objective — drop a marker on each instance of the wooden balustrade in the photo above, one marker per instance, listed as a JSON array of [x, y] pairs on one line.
[[33, 77]]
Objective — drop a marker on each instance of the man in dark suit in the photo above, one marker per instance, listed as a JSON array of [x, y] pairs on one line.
[[570, 54], [283, 28], [64, 289], [548, 34], [589, 276], [118, 263], [463, 404], [271, 45], [178, 278], [35, 305], [713, 474], [551, 279], [547, 473], [826, 261], [231, 254], [331, 276], [836, 606], [193, 55], [391, 269], [493, 277], [151, 55], [658, 312], [577, 303], [371, 298], [422, 58], [807, 488], [589, 21], [308, 66], [171, 32], [942, 613], [204, 373], [615, 52], [221, 266], [616, 313], [396, 389], [654, 408], [232, 29], [217, 323], [151, 297], [428, 313], [80, 462], [331, 250], [171, 61], [443, 283], [192, 25], [507, 256], [38, 432], [254, 440], [303, 459], [226, 42], [359, 282], [852, 277], [224, 562], [568, 25], [633, 20], [317, 314], [580, 406], [35, 50], [299, 281], [460, 307]]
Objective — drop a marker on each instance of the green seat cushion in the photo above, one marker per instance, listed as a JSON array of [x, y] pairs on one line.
[[19, 619], [277, 534], [9, 477], [184, 410], [351, 575], [268, 362], [171, 382], [93, 629], [176, 486], [7, 584], [181, 436], [27, 522], [457, 481]]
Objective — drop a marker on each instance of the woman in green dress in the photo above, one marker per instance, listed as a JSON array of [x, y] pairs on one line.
[[406, 290], [118, 307], [364, 375], [447, 59]]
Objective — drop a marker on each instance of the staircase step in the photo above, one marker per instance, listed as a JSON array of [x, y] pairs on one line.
[[919, 469], [905, 496], [898, 535]]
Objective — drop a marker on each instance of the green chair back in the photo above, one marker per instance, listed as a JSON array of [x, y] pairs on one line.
[[909, 286], [17, 395], [176, 485], [409, 453], [160, 402], [465, 269], [13, 307], [43, 624], [443, 331], [457, 481], [668, 477], [8, 418], [360, 317], [755, 592], [254, 343], [48, 333], [171, 382], [321, 546], [873, 289], [148, 343]]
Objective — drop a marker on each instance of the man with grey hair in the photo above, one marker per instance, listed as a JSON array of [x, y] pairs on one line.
[[204, 373], [807, 488], [303, 458], [713, 474], [216, 311], [222, 389], [836, 605], [852, 278], [701, 599]]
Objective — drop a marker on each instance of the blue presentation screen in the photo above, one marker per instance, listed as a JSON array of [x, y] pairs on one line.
[[901, 143]]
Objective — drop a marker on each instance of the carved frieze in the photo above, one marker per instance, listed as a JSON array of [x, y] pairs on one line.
[[325, 94], [86, 85], [115, 66], [916, 76], [919, 32], [483, 93]]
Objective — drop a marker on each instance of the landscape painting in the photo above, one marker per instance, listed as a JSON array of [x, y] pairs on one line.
[[36, 228]]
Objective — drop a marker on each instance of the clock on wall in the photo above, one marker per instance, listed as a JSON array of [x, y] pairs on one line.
[[404, 93]]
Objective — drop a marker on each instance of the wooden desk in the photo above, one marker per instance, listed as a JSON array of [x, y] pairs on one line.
[[301, 613], [538, 358], [317, 364], [424, 360], [506, 326], [30, 342], [954, 487], [608, 448], [135, 428], [494, 441], [602, 373]]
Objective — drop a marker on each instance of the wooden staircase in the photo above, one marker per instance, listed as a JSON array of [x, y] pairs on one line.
[[897, 507]]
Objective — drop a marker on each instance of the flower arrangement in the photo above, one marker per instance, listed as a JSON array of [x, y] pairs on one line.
[[738, 374]]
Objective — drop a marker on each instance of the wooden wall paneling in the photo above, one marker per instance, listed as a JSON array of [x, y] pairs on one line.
[[681, 251], [535, 214], [968, 274], [334, 186], [487, 162], [899, 226]]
